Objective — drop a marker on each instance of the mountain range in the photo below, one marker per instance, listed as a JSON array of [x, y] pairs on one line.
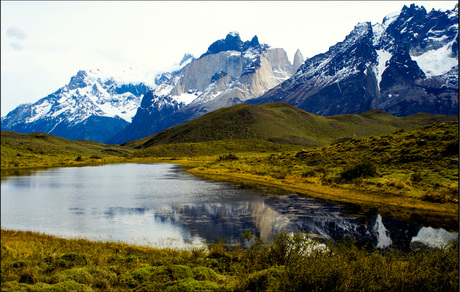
[[405, 65], [94, 105]]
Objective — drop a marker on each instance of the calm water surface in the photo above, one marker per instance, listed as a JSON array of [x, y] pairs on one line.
[[159, 205]]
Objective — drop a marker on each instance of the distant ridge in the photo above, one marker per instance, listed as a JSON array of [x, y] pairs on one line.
[[283, 123]]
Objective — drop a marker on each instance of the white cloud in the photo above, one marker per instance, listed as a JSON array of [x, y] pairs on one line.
[[16, 46]]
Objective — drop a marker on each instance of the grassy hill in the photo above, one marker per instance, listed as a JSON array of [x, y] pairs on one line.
[[39, 149], [284, 124], [244, 128]]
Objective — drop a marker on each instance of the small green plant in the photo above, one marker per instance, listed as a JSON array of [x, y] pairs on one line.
[[417, 176]]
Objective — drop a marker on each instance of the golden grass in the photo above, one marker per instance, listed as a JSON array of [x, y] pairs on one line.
[[311, 187]]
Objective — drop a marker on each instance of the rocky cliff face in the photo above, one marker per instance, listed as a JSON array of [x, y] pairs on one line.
[[230, 72], [405, 65]]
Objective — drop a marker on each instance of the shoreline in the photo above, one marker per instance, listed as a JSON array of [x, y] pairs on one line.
[[398, 207], [444, 215]]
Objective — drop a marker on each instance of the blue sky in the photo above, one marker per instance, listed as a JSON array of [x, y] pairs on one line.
[[43, 44]]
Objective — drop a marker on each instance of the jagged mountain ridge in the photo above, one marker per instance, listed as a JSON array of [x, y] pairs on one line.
[[405, 65], [230, 72], [91, 106], [94, 105]]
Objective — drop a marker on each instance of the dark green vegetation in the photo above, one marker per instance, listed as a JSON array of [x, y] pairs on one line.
[[39, 149], [285, 124], [35, 262], [212, 148]]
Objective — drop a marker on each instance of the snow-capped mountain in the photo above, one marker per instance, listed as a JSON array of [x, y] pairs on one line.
[[94, 105], [405, 65], [229, 72]]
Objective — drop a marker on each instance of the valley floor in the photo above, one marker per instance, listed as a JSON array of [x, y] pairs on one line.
[[405, 175]]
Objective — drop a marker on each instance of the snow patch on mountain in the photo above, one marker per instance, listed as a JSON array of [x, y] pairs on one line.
[[390, 17], [123, 76], [383, 57], [187, 97], [437, 62], [40, 111]]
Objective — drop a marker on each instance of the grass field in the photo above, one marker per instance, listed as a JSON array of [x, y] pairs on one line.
[[37, 262], [44, 150]]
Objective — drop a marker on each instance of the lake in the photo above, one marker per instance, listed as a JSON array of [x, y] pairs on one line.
[[159, 205]]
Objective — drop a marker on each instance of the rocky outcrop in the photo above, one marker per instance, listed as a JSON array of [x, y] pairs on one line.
[[298, 59], [230, 72]]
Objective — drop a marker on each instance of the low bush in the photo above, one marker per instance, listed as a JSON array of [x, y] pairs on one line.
[[229, 156], [360, 170]]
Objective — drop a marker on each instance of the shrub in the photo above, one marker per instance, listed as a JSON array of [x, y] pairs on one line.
[[435, 196], [451, 149], [229, 156], [361, 170], [204, 274]]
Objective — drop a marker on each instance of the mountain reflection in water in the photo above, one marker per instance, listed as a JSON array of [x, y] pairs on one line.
[[267, 218], [159, 205]]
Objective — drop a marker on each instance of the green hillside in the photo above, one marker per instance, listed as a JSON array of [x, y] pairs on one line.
[[398, 173], [285, 124], [39, 149], [214, 148]]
